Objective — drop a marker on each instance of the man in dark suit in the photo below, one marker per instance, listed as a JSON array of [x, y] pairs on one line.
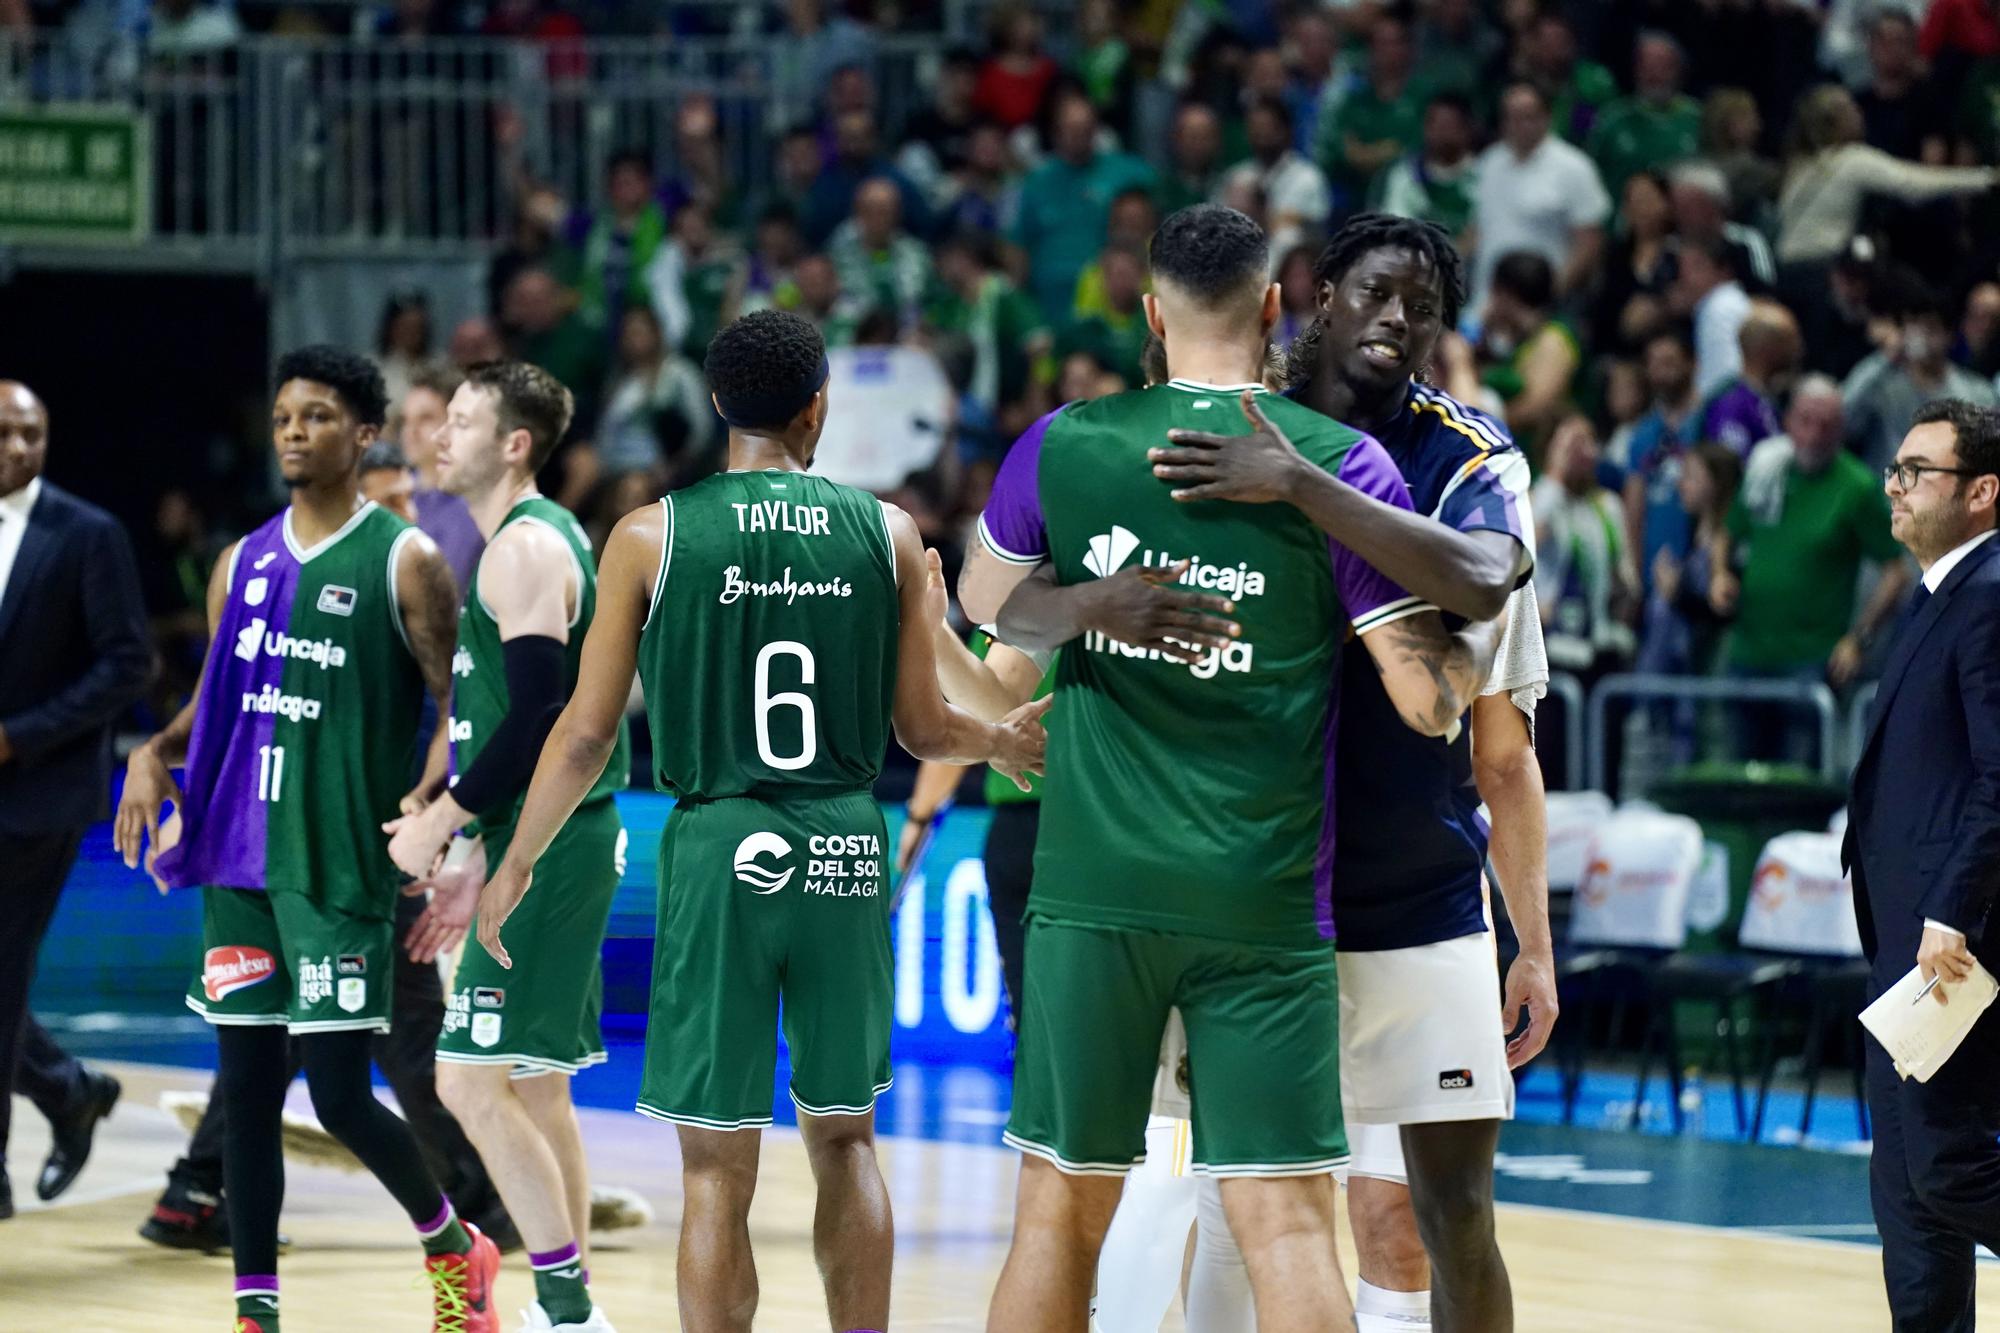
[[73, 654], [1923, 842]]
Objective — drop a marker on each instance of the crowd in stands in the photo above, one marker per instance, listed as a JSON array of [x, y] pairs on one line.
[[1720, 251]]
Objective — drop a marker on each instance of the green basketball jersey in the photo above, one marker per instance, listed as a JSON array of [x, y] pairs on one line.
[[479, 672], [769, 654], [305, 735], [1192, 798]]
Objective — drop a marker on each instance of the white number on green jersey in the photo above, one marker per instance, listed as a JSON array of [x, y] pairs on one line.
[[270, 772], [766, 701]]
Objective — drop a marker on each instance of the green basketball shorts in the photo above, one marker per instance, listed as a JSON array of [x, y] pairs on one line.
[[542, 1015], [280, 958], [768, 906], [1263, 1047]]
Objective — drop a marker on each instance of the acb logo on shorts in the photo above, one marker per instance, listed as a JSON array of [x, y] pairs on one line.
[[750, 868], [1451, 1080]]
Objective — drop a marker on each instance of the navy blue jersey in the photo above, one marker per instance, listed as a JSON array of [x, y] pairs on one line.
[[1411, 842]]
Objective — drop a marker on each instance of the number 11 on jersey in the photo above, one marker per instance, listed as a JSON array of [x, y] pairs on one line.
[[270, 771]]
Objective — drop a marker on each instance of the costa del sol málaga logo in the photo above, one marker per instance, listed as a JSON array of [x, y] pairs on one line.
[[760, 878]]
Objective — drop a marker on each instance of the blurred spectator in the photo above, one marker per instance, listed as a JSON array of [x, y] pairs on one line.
[[477, 339], [1376, 122], [1297, 200], [1104, 62], [895, 410], [1843, 43], [1731, 130], [1626, 402], [1194, 157], [1573, 89], [1883, 393], [1116, 333], [1083, 376], [412, 21], [767, 273], [655, 435], [1298, 291], [1744, 411], [806, 54], [1065, 202], [978, 192], [1808, 516], [531, 20], [1831, 171], [1681, 634], [880, 263], [1459, 49], [1015, 77], [1978, 344], [387, 481], [1538, 193], [419, 425], [1671, 426], [833, 312], [937, 141], [186, 28], [1968, 29], [857, 157], [701, 173], [1582, 562], [1706, 292], [1838, 324], [1537, 354], [538, 218], [793, 174], [1439, 182], [692, 280], [1700, 195], [402, 340], [1313, 49], [1631, 301], [175, 579], [1657, 126], [1004, 328], [1131, 224], [542, 326], [609, 249], [1901, 112]]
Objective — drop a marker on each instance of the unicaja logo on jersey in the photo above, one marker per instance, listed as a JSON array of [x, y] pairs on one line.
[[761, 879], [1109, 552]]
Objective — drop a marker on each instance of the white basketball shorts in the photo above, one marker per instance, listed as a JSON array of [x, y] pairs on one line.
[[1421, 1037]]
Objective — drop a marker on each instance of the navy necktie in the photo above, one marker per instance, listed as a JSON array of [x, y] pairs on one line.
[[1915, 608]]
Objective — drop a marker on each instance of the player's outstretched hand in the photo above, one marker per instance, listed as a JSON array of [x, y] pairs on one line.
[[1023, 742], [1259, 468], [149, 785], [413, 844], [497, 901], [937, 602], [1147, 607], [1531, 985], [454, 893]]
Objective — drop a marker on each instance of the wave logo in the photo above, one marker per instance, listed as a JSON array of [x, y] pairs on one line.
[[1108, 551], [760, 878], [249, 638]]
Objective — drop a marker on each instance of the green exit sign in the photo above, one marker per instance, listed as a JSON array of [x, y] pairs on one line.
[[74, 175]]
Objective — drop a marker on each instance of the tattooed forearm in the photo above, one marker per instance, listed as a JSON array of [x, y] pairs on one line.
[[1431, 674]]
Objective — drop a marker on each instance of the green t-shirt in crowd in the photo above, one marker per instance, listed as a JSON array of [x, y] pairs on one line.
[[1370, 118], [1119, 341], [1576, 105], [1001, 323], [1061, 220], [1801, 563], [1633, 135]]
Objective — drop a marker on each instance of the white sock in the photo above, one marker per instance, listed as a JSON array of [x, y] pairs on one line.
[[1218, 1297], [1379, 1310], [1139, 1268]]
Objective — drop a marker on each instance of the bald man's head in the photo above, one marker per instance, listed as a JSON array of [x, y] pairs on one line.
[[24, 436]]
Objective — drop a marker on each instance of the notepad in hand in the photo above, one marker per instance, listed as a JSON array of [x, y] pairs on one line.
[[1919, 1033]]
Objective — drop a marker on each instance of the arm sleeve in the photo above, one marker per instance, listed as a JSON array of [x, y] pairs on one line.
[[1013, 526], [121, 655], [1371, 598], [1962, 896], [1880, 173], [534, 665]]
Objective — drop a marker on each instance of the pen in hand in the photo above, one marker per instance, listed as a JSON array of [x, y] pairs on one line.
[[1929, 986]]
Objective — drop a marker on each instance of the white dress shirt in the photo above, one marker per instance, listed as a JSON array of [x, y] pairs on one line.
[[1934, 578], [1534, 203], [14, 510]]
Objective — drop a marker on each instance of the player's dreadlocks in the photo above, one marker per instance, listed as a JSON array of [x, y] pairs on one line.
[[1364, 234]]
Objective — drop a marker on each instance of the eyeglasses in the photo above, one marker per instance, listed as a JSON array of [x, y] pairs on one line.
[[1907, 475]]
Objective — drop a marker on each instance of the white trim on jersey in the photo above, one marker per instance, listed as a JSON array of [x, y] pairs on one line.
[[1063, 1164], [1391, 612], [882, 512], [806, 1108], [666, 558], [235, 555], [1269, 1171], [700, 1122], [1457, 415], [1000, 552], [395, 601], [325, 544]]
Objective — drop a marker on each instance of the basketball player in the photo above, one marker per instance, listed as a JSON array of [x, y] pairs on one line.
[[1420, 1049], [777, 622], [1185, 854], [329, 623], [511, 1043]]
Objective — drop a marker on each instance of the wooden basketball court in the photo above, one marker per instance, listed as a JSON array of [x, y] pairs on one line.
[[80, 1267]]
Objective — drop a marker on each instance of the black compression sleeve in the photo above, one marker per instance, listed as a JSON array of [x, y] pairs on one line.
[[534, 698]]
